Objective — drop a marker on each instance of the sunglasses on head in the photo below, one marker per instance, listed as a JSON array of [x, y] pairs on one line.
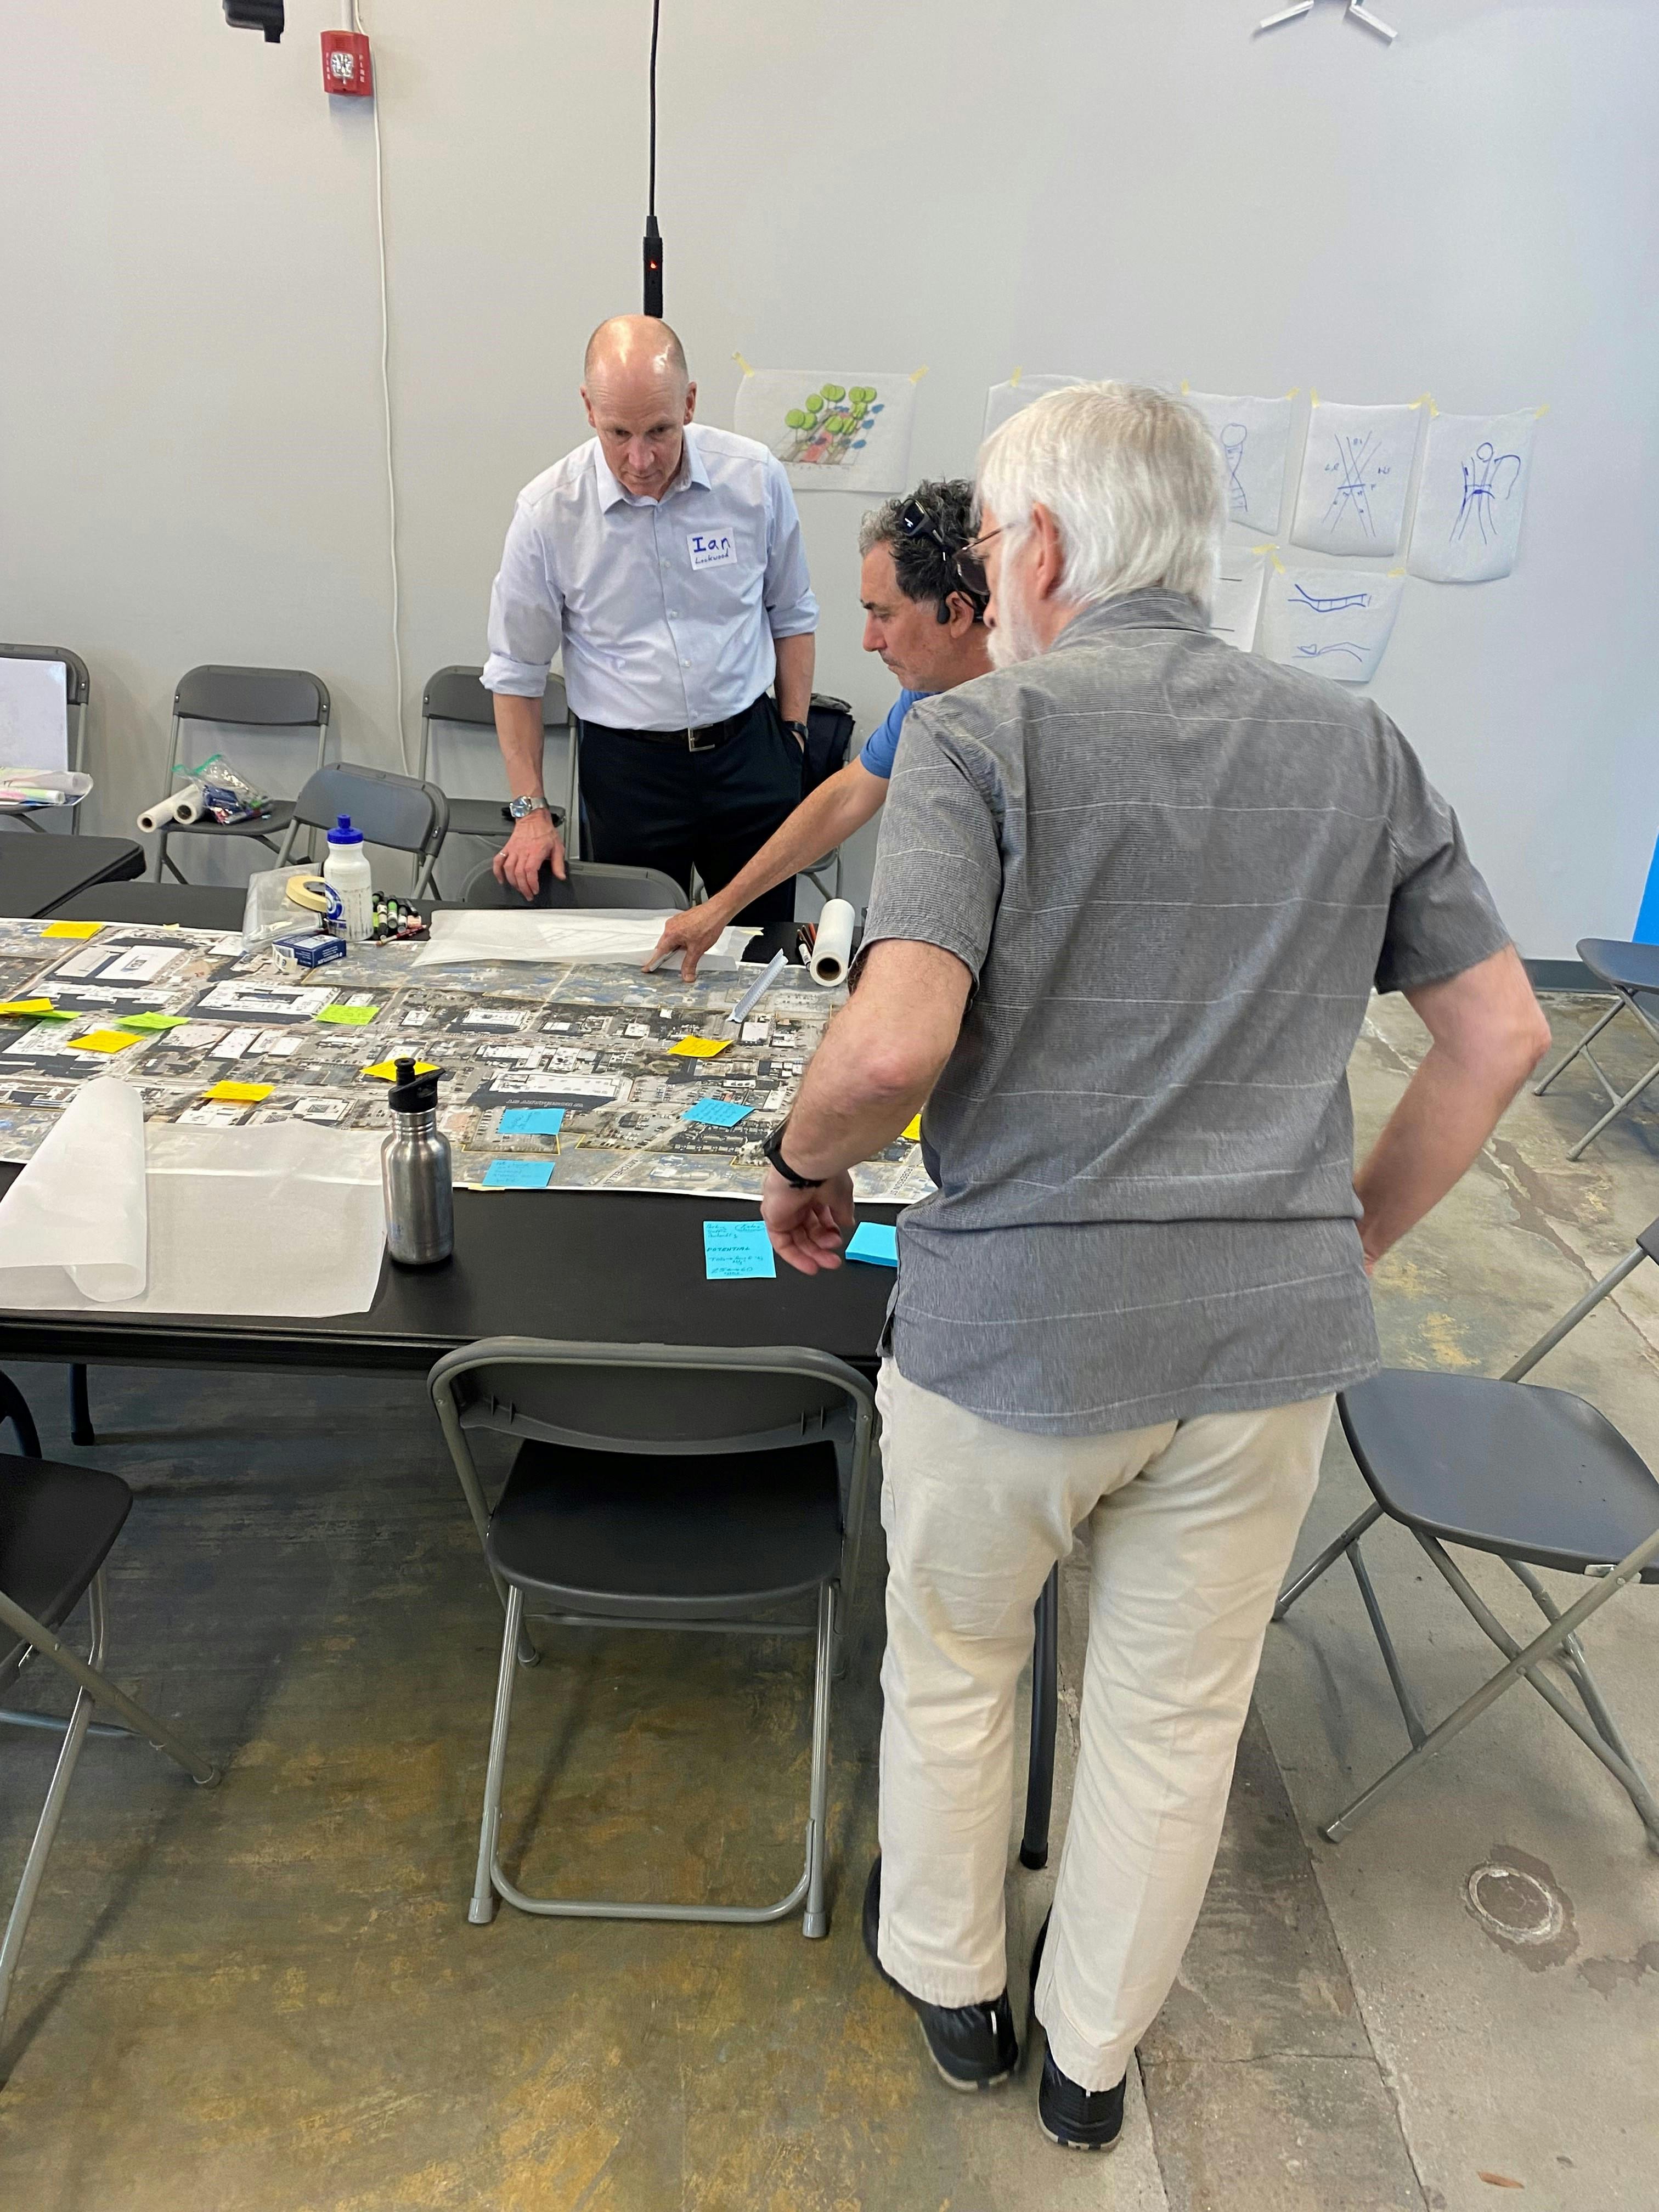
[[916, 521]]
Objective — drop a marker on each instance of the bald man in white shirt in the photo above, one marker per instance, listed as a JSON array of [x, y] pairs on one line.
[[664, 561]]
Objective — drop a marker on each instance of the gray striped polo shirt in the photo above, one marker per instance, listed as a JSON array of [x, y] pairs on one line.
[[1175, 873]]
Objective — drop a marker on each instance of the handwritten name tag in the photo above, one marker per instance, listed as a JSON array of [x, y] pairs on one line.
[[711, 549]]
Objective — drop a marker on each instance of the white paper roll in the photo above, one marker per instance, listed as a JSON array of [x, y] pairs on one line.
[[832, 948], [183, 807]]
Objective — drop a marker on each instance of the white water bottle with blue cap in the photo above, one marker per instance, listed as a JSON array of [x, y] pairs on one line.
[[350, 884]]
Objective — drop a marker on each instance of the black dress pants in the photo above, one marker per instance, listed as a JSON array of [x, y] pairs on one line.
[[653, 805]]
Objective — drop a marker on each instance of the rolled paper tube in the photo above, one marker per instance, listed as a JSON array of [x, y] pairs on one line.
[[183, 807], [832, 948]]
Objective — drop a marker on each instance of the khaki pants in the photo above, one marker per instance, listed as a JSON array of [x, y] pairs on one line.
[[1193, 1524]]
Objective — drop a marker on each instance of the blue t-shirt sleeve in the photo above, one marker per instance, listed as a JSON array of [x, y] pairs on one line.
[[881, 744]]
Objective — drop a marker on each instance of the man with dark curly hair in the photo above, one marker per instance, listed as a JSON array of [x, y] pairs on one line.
[[926, 621]]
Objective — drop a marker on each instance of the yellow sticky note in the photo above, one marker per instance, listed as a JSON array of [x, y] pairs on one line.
[[26, 1006], [103, 1041], [71, 929], [240, 1094], [349, 1017], [912, 1130], [699, 1048], [387, 1070]]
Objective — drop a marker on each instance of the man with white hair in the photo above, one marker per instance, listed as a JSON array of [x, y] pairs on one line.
[[665, 560], [1132, 892]]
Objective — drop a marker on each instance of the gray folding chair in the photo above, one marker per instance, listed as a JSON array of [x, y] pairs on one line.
[[57, 1526], [1537, 1478], [77, 690], [273, 700], [587, 883], [1631, 972], [397, 811], [663, 1486], [457, 694]]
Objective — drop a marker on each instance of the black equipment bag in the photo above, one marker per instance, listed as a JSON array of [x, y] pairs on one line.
[[829, 731]]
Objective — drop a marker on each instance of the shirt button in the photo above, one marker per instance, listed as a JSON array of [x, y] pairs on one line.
[[685, 663]]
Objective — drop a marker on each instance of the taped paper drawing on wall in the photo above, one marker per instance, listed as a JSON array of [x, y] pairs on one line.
[[1003, 400], [1255, 436], [1468, 525], [1334, 621], [833, 433], [1356, 471], [1237, 600]]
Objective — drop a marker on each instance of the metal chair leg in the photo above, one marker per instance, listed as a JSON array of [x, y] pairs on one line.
[[103, 1692], [80, 1429], [1583, 1045], [1045, 1707], [482, 1910], [1328, 1557], [816, 1920]]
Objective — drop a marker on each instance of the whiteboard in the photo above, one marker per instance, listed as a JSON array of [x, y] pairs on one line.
[[33, 714]]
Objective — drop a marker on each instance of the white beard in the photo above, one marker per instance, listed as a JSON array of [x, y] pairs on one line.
[[1014, 639]]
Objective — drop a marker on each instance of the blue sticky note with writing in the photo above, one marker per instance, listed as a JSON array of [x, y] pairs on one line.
[[735, 1248], [518, 1175], [717, 1112], [875, 1242], [532, 1120]]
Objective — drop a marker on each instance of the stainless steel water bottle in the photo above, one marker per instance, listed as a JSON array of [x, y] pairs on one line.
[[420, 1206]]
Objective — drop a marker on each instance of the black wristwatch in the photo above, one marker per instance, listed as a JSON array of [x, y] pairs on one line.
[[797, 731], [772, 1153]]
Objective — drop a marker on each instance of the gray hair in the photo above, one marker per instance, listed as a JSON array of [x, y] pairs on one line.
[[1134, 478]]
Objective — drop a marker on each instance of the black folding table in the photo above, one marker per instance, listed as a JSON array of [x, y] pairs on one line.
[[38, 874]]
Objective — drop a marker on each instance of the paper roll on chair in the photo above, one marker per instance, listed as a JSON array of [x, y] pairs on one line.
[[832, 948], [183, 807]]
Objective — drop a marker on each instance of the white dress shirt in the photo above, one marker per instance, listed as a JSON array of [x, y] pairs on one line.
[[665, 608]]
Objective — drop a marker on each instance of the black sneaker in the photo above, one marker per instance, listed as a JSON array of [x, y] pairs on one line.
[[972, 2045], [1076, 2119]]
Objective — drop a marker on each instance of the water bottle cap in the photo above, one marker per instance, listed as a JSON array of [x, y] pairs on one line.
[[413, 1093], [342, 833]]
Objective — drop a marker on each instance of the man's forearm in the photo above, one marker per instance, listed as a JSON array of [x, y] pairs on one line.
[[796, 657], [818, 824], [880, 1058], [518, 728]]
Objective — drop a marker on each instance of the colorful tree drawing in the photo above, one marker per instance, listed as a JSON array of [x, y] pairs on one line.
[[829, 426]]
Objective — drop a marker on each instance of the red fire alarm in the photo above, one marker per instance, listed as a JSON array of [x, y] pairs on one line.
[[346, 65]]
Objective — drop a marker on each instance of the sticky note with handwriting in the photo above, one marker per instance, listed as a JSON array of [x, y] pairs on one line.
[[695, 1048], [347, 1017], [155, 1022], [240, 1094], [103, 1041], [532, 1120], [518, 1175], [734, 1249], [71, 929]]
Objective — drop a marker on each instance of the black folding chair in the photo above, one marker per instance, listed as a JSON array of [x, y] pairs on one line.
[[455, 696], [1538, 1479], [585, 883], [399, 812], [274, 699], [1630, 973], [57, 1526], [663, 1486]]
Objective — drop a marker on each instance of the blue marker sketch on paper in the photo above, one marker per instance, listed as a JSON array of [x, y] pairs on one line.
[[1234, 438], [1359, 472], [1483, 479], [1334, 605], [1315, 651]]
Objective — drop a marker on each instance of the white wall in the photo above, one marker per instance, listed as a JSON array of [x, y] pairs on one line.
[[190, 418]]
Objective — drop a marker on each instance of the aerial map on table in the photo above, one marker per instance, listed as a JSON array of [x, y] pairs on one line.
[[621, 1080]]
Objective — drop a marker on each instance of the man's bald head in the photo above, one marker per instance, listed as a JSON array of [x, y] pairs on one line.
[[639, 399], [628, 344]]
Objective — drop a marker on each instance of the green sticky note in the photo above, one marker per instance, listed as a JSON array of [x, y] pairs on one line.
[[348, 1016], [152, 1021]]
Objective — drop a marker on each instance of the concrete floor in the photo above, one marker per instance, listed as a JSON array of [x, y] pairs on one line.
[[267, 1998]]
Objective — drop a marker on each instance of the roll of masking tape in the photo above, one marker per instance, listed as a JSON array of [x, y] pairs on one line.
[[310, 892]]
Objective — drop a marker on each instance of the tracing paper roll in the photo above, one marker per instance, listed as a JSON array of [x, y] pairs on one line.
[[832, 948], [183, 807], [544, 934]]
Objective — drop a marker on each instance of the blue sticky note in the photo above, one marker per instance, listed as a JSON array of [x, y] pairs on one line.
[[734, 1249], [532, 1120], [518, 1175], [875, 1242], [719, 1113]]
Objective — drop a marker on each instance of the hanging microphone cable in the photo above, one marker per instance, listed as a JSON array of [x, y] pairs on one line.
[[652, 235]]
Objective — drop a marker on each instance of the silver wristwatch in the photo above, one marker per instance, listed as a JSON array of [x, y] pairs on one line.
[[518, 808]]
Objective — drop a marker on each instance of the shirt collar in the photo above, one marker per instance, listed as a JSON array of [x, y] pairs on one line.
[[693, 471], [1155, 608]]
